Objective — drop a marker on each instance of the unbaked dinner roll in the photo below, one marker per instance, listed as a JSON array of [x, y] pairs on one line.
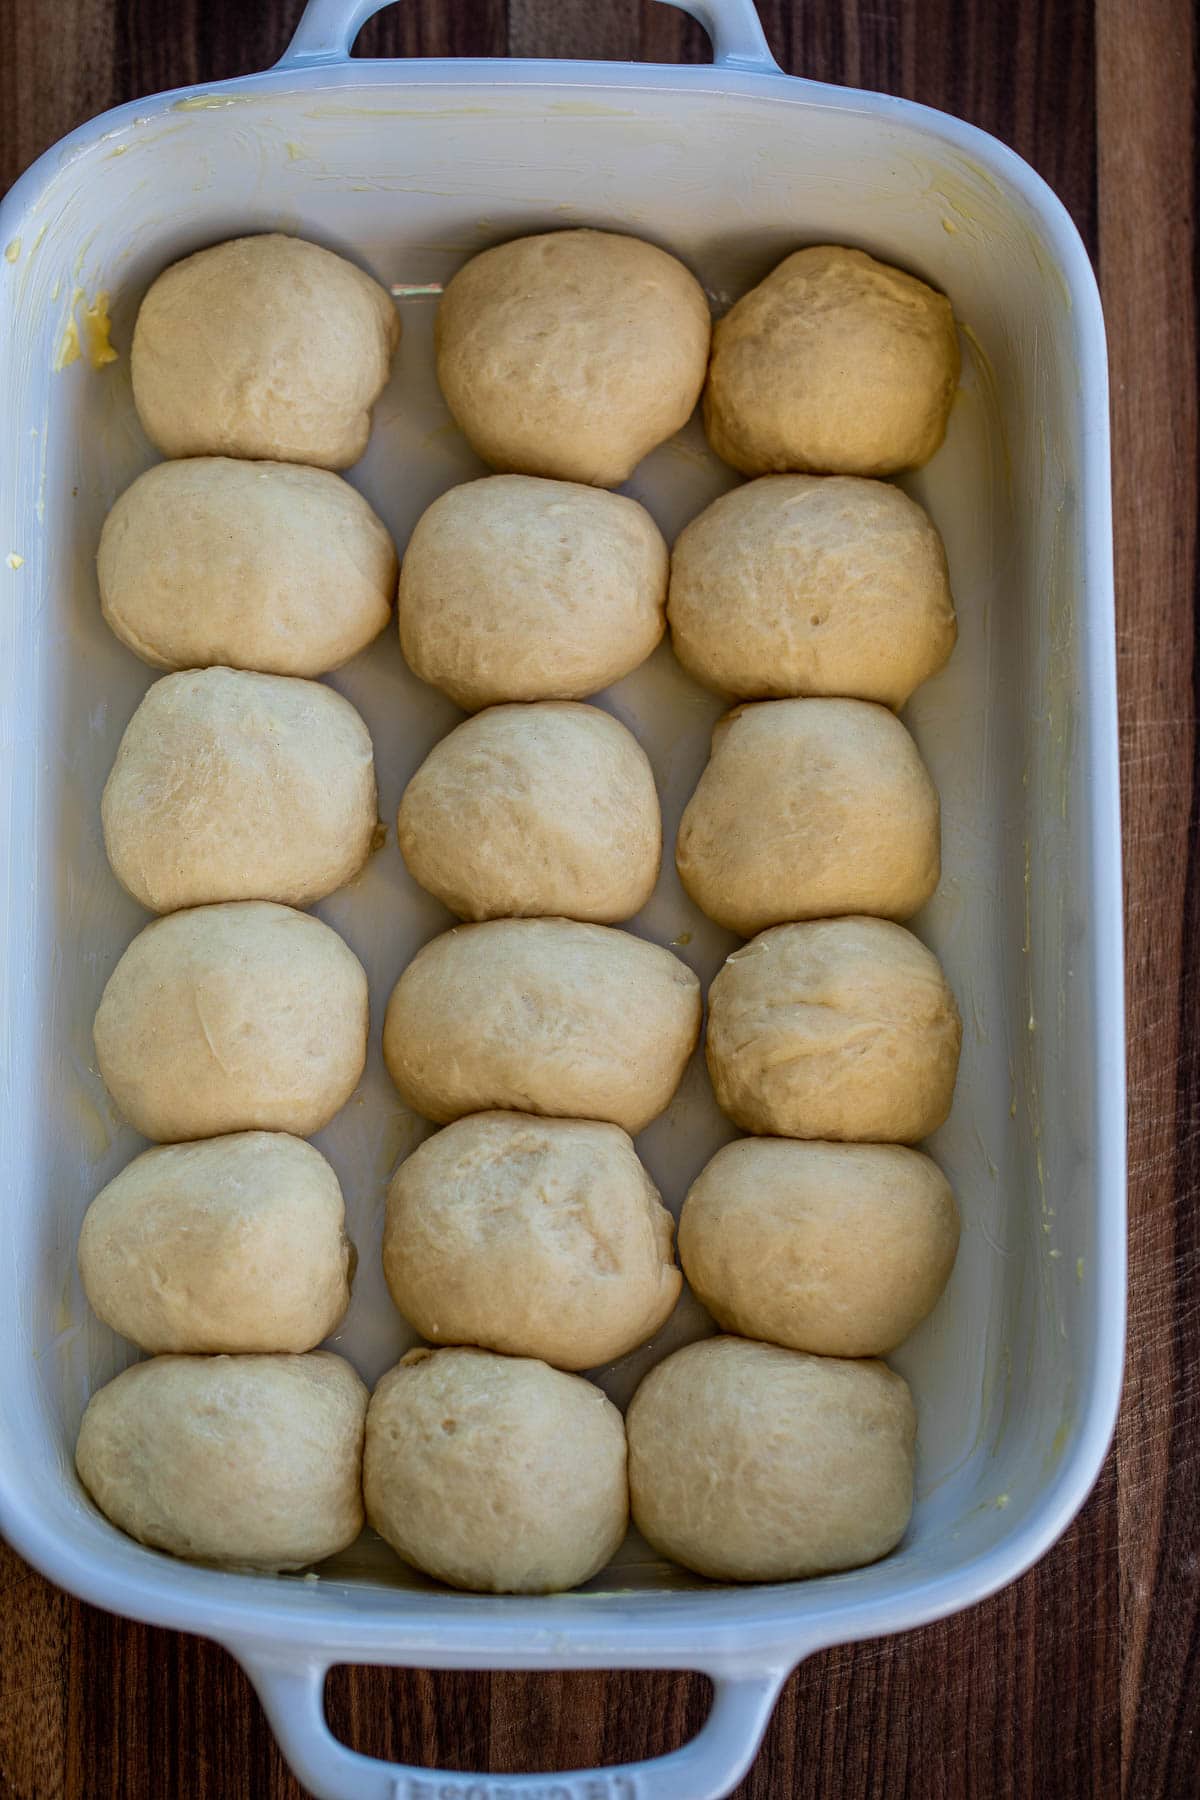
[[231, 1244], [807, 584], [246, 1017], [537, 1237], [836, 364], [233, 786], [839, 1028], [808, 808], [573, 353], [495, 1473], [534, 811], [262, 347], [250, 1461], [542, 1016], [752, 1463], [837, 1248], [514, 588], [257, 565]]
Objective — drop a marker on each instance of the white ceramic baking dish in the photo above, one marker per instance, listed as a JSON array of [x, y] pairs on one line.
[[410, 167]]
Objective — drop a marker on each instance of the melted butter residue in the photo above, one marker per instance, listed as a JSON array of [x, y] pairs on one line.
[[15, 560], [12, 250], [94, 341]]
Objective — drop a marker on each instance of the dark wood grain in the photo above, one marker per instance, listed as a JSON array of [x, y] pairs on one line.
[[1084, 1678]]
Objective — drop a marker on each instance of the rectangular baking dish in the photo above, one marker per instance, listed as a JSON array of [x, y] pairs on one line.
[[409, 168]]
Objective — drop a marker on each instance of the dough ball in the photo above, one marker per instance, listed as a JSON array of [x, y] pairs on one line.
[[262, 347], [542, 1016], [234, 786], [247, 1017], [837, 1248], [809, 808], [538, 1237], [495, 1472], [518, 589], [752, 1463], [530, 811], [252, 1461], [256, 565], [572, 354], [806, 584], [836, 364], [231, 1244], [840, 1028]]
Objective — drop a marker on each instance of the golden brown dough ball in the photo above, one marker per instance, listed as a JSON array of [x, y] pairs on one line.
[[838, 1028], [572, 354], [834, 364], [807, 584]]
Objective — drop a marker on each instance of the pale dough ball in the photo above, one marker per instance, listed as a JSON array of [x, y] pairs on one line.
[[807, 584], [495, 1472], [247, 1017], [809, 808], [840, 1028], [514, 588], [841, 1249], [230, 1244], [256, 565], [250, 1461], [572, 354], [836, 364], [262, 347], [542, 1016], [537, 1237], [752, 1463], [234, 786], [535, 811]]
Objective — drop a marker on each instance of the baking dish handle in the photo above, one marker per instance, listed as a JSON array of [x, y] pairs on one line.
[[292, 1691], [328, 28]]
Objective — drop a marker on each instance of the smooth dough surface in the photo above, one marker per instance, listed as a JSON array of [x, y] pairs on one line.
[[250, 1461], [232, 1244], [838, 1028], [255, 565], [535, 1237], [835, 364], [514, 588], [841, 1249], [495, 1473], [245, 1017], [572, 354], [808, 808], [806, 584], [535, 811], [748, 1462], [234, 786], [542, 1016], [263, 347]]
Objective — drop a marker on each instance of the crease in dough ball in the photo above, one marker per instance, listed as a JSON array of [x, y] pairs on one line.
[[243, 1017], [254, 565], [249, 1462], [495, 1473], [837, 1028], [535, 1237], [232, 1244], [515, 588], [802, 584], [229, 785], [264, 346], [748, 1462], [544, 1016], [840, 1249], [572, 354], [535, 811], [835, 364], [808, 808]]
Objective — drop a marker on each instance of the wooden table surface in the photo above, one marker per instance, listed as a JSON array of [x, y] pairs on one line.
[[1083, 1678]]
